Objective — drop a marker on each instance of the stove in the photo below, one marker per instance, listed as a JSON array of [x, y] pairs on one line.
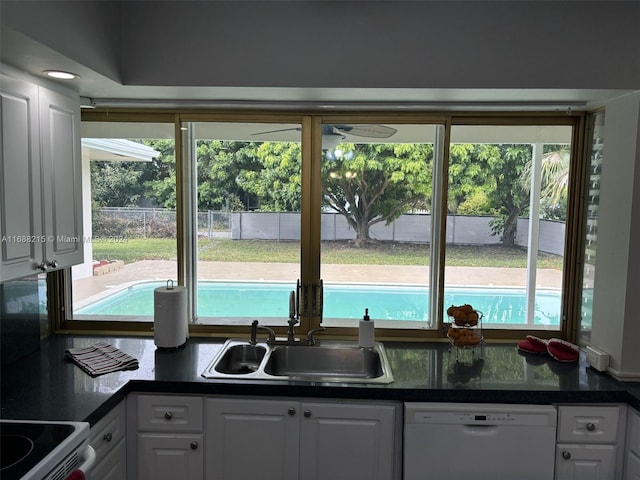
[[39, 450]]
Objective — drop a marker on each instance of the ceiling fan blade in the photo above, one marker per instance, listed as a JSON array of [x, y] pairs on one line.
[[371, 131], [279, 130]]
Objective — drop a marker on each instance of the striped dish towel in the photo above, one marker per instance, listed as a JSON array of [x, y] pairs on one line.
[[101, 358]]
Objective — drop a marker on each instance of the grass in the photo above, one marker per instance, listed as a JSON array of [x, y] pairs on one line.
[[375, 253]]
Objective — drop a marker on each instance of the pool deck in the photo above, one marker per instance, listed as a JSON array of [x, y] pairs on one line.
[[97, 286]]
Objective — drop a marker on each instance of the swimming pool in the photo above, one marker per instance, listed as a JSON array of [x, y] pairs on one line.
[[346, 301]]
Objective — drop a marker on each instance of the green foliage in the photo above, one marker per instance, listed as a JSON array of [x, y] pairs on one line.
[[277, 183], [468, 175], [477, 203], [220, 166], [372, 183], [367, 183], [116, 184], [554, 173], [159, 176]]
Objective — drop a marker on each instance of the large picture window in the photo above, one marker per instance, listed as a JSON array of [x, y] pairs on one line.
[[400, 216], [507, 212]]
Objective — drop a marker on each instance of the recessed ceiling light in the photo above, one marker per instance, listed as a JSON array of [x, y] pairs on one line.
[[61, 74]]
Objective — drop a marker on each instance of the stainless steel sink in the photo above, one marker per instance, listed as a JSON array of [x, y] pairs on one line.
[[327, 361], [324, 361], [241, 359]]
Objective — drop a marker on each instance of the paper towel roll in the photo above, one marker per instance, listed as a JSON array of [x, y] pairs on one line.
[[170, 325]]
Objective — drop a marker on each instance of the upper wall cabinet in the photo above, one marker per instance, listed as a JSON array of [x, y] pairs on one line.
[[40, 181]]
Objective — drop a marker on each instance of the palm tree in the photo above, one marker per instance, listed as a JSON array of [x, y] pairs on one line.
[[554, 176]]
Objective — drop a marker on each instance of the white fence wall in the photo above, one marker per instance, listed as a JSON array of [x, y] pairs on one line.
[[462, 230]]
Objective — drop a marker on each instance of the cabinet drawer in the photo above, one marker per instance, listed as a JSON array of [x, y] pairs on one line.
[[169, 413], [588, 424], [634, 433], [109, 431]]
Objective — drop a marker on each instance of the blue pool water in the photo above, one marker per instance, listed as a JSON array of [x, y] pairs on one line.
[[253, 299]]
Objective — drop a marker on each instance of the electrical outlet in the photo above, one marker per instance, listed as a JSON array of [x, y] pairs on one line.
[[597, 359]]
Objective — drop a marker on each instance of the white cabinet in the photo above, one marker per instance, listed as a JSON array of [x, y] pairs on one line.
[[632, 460], [251, 438], [346, 441], [306, 440], [585, 462], [588, 441], [61, 179], [108, 441], [40, 180], [169, 439], [20, 201]]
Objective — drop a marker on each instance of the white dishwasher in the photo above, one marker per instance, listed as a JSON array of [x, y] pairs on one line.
[[467, 441]]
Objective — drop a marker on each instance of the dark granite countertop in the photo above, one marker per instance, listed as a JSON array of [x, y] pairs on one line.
[[48, 386]]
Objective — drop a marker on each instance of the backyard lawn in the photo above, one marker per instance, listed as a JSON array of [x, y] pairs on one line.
[[341, 252]]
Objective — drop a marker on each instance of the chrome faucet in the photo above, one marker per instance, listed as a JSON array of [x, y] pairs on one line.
[[291, 332], [254, 332]]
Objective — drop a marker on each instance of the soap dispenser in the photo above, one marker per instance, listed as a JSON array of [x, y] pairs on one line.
[[366, 330]]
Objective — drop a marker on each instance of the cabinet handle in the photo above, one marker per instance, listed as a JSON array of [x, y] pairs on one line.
[[107, 437], [53, 264], [42, 267], [591, 427], [194, 445], [291, 411], [168, 415], [566, 455], [307, 413]]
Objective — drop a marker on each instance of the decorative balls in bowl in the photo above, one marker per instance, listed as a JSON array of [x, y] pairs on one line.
[[464, 315]]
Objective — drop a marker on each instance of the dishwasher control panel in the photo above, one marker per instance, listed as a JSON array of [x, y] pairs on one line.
[[478, 414]]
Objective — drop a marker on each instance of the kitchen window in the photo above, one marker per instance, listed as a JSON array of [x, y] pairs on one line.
[[400, 214]]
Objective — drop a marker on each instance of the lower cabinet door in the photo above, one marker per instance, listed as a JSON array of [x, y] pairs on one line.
[[347, 441], [585, 462], [114, 464], [249, 439], [170, 457]]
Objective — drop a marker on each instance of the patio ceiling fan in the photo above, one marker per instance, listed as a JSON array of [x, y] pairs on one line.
[[332, 135]]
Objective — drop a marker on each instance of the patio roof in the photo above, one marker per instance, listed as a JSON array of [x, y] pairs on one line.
[[112, 149]]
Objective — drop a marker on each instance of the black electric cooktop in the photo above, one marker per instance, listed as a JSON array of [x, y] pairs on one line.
[[24, 444]]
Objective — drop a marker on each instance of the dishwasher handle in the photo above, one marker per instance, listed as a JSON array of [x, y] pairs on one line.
[[479, 430]]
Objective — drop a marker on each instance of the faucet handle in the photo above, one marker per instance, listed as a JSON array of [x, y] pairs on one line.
[[254, 331], [311, 340]]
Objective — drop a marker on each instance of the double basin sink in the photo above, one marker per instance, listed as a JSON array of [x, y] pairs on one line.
[[326, 361]]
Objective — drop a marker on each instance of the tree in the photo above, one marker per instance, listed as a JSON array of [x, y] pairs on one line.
[[277, 182], [469, 180], [554, 173], [159, 177], [489, 175], [506, 164], [372, 183], [220, 167], [115, 184]]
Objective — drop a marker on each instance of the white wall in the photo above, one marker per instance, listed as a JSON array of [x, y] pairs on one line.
[[616, 303], [346, 44]]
